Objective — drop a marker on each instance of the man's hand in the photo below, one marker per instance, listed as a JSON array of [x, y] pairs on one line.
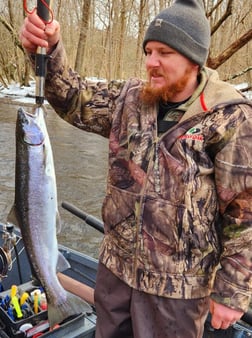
[[34, 32], [223, 316]]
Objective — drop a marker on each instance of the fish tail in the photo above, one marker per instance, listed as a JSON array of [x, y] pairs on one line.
[[73, 305]]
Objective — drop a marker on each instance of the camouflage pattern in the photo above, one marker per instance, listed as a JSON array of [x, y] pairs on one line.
[[178, 207]]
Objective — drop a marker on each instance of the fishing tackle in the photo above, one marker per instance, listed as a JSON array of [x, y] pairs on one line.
[[9, 238]]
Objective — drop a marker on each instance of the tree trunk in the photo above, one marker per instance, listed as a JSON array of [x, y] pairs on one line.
[[79, 61], [140, 36], [120, 44]]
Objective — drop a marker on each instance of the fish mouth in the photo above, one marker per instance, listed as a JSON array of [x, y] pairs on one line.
[[28, 129]]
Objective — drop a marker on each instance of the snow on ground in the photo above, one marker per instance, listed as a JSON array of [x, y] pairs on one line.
[[27, 94], [19, 93], [243, 86]]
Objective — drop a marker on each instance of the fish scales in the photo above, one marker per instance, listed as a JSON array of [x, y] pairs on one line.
[[35, 212]]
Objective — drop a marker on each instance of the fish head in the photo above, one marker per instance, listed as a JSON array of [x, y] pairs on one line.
[[27, 129]]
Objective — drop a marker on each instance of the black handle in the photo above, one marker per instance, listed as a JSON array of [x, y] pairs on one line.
[[43, 9], [44, 12], [89, 219]]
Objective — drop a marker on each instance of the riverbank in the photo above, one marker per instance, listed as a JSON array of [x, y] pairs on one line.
[[15, 93], [26, 95]]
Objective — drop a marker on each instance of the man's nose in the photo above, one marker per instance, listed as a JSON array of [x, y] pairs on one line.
[[152, 60]]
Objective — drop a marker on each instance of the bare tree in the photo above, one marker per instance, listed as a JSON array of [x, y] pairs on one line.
[[104, 37], [224, 15], [140, 36], [120, 45], [79, 62], [230, 50], [219, 15], [11, 66]]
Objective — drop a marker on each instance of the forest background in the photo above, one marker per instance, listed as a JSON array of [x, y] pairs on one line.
[[103, 38]]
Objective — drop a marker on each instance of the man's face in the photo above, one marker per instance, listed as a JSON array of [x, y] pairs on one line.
[[171, 76]]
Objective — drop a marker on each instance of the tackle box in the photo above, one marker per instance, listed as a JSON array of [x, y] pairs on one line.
[[80, 325]]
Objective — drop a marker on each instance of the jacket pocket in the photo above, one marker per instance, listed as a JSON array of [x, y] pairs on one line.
[[118, 213]]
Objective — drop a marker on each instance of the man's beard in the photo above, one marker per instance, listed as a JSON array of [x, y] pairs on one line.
[[151, 95]]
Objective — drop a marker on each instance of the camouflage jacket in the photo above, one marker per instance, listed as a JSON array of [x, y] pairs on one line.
[[178, 207]]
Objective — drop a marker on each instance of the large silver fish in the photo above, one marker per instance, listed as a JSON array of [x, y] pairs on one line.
[[35, 211]]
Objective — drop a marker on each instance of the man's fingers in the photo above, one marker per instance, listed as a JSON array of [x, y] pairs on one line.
[[221, 324], [32, 33], [31, 41], [35, 20], [223, 316], [216, 322]]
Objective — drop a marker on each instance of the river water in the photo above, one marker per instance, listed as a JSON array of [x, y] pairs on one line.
[[80, 160]]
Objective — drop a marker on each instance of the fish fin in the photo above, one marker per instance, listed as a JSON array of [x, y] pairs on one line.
[[73, 305], [58, 222], [12, 217], [62, 263]]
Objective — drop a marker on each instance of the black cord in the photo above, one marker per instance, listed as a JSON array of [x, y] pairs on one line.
[[18, 264]]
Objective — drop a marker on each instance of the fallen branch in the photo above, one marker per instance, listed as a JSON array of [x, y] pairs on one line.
[[215, 62], [234, 76]]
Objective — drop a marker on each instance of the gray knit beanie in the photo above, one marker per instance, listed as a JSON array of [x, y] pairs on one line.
[[184, 27]]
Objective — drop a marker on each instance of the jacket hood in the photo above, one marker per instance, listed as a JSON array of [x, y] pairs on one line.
[[215, 93]]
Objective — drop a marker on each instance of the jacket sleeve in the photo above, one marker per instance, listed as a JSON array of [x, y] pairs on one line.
[[86, 105], [233, 174]]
